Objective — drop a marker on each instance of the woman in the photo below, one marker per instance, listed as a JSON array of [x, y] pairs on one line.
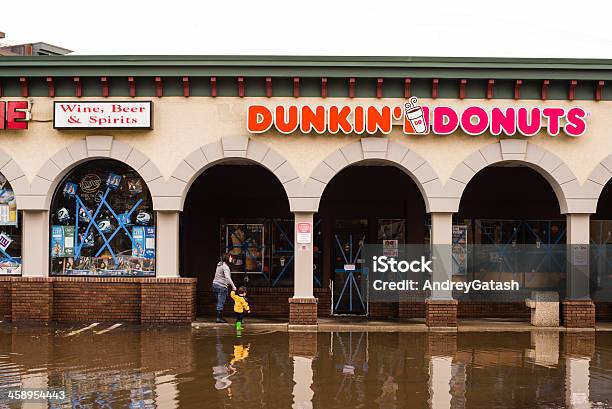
[[222, 279]]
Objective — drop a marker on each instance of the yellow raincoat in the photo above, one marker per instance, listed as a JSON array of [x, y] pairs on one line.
[[240, 303]]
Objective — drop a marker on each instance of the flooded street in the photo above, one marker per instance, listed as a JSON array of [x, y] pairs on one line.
[[180, 367]]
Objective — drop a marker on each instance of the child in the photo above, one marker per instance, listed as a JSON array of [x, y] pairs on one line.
[[240, 305]]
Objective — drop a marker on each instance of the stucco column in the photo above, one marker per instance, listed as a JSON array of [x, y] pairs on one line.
[[167, 260], [440, 308], [578, 308], [35, 243], [303, 305]]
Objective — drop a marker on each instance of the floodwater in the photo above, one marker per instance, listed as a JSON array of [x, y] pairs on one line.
[[134, 367]]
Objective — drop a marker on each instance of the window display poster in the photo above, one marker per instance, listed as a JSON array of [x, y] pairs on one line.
[[62, 241], [143, 244], [138, 241], [246, 243], [8, 205], [10, 265], [5, 241]]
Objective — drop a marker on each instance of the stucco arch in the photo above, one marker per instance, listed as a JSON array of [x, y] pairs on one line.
[[564, 183], [597, 180], [50, 174], [227, 148], [14, 175], [413, 164]]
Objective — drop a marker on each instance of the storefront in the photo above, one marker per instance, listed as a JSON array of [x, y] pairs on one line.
[[123, 180]]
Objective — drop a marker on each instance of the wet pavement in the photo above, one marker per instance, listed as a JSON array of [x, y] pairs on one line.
[[119, 367]]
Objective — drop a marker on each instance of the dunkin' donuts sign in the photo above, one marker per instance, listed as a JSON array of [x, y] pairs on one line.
[[416, 119]]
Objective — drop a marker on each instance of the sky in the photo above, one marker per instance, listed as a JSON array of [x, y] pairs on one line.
[[468, 28]]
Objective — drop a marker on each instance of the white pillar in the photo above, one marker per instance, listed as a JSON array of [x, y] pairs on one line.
[[303, 261], [578, 237], [577, 383], [167, 257], [35, 243], [578, 228], [441, 240]]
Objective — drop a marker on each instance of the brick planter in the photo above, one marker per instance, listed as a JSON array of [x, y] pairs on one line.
[[441, 313], [87, 299], [578, 313], [303, 311]]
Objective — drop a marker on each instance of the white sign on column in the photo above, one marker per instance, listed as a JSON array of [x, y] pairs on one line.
[[304, 233]]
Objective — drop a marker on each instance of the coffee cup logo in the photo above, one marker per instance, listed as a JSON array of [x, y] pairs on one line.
[[415, 116]]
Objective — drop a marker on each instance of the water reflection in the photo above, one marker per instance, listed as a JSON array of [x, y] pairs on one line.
[[180, 367]]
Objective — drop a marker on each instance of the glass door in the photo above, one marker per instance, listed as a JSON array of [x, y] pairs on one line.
[[347, 284]]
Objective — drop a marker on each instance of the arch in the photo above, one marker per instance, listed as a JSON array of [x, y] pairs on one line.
[[50, 174], [413, 164], [597, 180], [15, 175], [568, 190], [227, 148]]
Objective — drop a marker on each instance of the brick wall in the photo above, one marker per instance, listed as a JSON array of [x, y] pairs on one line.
[[383, 310], [31, 299], [5, 299], [270, 302], [578, 314], [87, 299], [411, 309], [441, 313], [167, 301], [78, 299], [467, 309]]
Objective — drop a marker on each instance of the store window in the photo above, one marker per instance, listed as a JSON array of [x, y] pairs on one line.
[[263, 251], [507, 230], [10, 230], [102, 222], [601, 247]]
